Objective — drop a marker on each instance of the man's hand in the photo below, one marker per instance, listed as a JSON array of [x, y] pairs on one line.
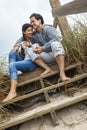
[[38, 49]]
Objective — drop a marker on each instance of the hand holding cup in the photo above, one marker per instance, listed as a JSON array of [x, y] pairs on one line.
[[36, 48]]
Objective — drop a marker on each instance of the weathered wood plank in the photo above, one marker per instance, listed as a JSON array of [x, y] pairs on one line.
[[45, 89], [42, 110], [29, 77], [74, 7], [34, 76], [45, 92]]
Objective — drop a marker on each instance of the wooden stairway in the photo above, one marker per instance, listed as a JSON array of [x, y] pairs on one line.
[[50, 106]]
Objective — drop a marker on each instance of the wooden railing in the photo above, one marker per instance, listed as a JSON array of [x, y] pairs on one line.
[[74, 7]]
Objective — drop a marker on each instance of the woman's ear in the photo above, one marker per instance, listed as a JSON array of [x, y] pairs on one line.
[[23, 32]]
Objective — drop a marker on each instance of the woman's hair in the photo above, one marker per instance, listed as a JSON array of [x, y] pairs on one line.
[[37, 16], [24, 28]]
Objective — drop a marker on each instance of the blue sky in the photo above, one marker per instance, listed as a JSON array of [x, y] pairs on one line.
[[14, 13]]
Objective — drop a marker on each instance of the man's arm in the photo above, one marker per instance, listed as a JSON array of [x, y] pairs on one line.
[[51, 34], [17, 44], [15, 47]]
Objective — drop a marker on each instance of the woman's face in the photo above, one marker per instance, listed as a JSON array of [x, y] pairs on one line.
[[28, 32]]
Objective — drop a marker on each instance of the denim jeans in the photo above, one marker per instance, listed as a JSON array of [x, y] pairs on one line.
[[16, 63]]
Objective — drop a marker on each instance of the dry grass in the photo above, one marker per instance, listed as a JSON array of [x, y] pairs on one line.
[[76, 48], [3, 74]]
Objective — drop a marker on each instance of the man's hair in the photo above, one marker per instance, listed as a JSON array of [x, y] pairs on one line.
[[37, 16]]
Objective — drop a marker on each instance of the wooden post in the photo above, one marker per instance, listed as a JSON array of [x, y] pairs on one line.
[[53, 113], [61, 21]]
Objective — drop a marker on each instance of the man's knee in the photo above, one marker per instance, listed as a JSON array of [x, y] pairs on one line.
[[57, 49]]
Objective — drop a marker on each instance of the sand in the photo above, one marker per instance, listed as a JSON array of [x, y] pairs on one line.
[[71, 118]]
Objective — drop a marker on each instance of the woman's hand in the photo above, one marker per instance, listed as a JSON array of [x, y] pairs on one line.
[[25, 44]]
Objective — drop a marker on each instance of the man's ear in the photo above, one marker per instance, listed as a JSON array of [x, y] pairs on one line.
[[39, 20]]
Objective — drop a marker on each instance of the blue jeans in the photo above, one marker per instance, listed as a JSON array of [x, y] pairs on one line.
[[16, 63]]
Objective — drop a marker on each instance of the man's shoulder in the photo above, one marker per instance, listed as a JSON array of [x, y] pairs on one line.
[[19, 40], [47, 27]]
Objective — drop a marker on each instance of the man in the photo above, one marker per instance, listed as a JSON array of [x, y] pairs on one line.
[[50, 47]]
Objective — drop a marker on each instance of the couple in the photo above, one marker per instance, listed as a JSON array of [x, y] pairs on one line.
[[49, 50]]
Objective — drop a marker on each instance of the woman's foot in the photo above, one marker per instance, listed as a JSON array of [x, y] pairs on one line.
[[9, 97], [46, 71]]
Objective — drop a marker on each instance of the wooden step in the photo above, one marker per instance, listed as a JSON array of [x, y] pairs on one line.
[[29, 77], [35, 75], [79, 77], [41, 110]]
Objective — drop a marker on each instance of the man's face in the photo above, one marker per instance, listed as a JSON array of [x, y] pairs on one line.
[[35, 23]]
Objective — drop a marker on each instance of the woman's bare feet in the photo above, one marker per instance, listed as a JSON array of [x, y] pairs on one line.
[[46, 71], [9, 97]]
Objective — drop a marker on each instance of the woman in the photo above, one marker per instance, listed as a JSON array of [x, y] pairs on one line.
[[30, 62]]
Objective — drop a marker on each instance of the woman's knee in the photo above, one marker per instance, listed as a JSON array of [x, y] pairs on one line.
[[12, 52], [14, 56]]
